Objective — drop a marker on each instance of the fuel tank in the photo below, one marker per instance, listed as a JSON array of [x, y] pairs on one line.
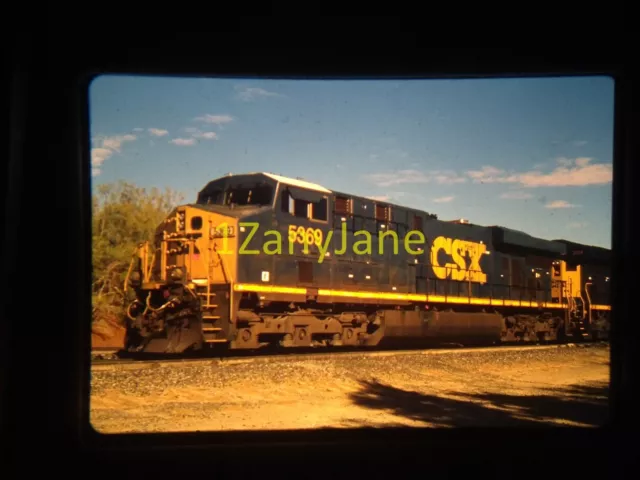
[[400, 327]]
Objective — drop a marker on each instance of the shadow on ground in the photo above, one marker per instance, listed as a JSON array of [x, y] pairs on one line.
[[586, 405]]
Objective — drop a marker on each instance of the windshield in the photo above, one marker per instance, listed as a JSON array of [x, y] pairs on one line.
[[251, 194]]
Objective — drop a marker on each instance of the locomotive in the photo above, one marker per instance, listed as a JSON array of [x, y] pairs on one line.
[[264, 260]]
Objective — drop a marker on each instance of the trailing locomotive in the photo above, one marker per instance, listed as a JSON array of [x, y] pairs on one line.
[[262, 259]]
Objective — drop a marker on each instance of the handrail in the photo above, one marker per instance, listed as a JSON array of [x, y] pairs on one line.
[[586, 290]]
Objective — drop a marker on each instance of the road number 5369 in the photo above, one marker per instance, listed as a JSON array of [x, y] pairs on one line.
[[310, 236]]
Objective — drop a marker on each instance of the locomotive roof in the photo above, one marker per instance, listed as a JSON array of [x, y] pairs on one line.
[[294, 182]]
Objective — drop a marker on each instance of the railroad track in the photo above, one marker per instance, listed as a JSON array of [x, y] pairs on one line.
[[111, 358]]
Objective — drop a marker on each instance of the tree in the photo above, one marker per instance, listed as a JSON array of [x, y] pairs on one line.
[[124, 215]]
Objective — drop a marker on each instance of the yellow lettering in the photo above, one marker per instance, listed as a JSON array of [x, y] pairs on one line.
[[300, 238], [407, 240], [277, 241], [381, 241], [323, 251], [223, 230], [476, 273], [344, 240], [305, 237], [458, 250], [242, 250], [459, 265], [440, 243], [366, 241], [310, 238], [317, 234]]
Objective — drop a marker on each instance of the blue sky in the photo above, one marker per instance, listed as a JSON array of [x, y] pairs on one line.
[[530, 154]]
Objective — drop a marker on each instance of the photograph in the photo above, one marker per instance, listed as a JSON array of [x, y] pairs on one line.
[[295, 254]]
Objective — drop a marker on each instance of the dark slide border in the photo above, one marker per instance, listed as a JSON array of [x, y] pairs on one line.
[[46, 255]]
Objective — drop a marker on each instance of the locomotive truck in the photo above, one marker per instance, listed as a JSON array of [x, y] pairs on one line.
[[264, 260]]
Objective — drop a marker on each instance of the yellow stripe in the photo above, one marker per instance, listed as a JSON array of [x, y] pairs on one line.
[[266, 289], [601, 307], [404, 297], [372, 295]]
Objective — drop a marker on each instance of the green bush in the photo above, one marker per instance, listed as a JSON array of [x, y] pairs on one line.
[[124, 215]]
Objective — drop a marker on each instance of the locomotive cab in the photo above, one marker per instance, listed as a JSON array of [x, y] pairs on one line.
[[183, 281]]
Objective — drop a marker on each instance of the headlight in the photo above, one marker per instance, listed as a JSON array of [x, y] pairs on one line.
[[176, 274]]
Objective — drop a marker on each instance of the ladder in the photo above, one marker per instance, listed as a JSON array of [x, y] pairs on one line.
[[210, 328], [576, 315]]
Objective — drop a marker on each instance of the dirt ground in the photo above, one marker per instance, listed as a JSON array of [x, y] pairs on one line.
[[107, 335], [558, 385]]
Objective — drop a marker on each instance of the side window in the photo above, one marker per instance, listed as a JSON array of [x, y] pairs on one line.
[[286, 201], [319, 210], [305, 204], [300, 208]]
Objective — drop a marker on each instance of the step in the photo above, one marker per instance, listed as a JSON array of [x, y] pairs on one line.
[[215, 340], [210, 305], [211, 329], [211, 317]]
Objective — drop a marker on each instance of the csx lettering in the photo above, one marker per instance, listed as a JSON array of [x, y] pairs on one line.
[[305, 236], [458, 269]]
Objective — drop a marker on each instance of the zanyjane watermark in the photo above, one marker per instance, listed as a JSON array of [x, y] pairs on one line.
[[459, 250], [273, 241]]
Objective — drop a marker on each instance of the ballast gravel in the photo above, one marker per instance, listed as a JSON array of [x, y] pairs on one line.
[[501, 387]]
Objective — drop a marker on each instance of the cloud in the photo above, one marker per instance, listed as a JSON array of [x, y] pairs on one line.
[[99, 155], [577, 172], [206, 135], [196, 133], [184, 142], [580, 143], [568, 172], [560, 204], [248, 94], [157, 132], [138, 129], [411, 176], [516, 195], [399, 198], [105, 147], [447, 177], [215, 119], [564, 162], [115, 142], [443, 199]]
